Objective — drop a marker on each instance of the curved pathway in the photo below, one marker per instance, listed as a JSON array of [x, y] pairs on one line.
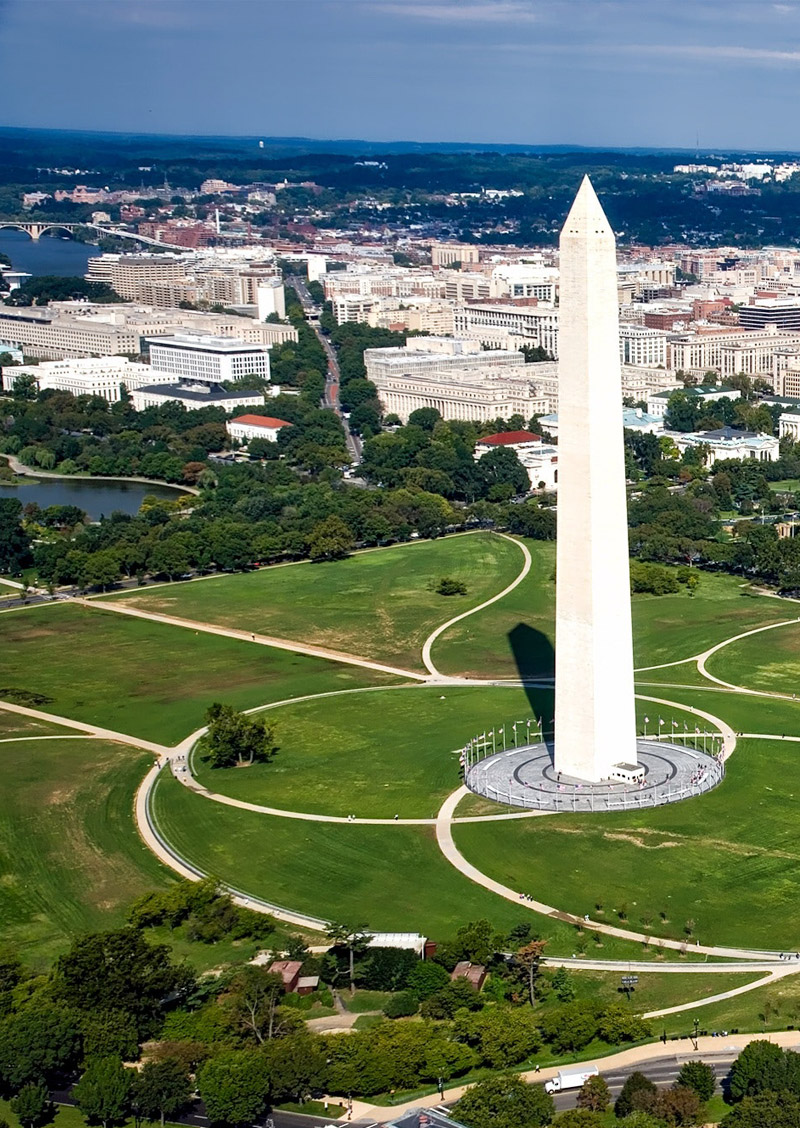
[[432, 637], [723, 996], [702, 659], [444, 837]]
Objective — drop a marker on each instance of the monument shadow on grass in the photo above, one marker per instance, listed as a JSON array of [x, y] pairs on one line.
[[535, 660]]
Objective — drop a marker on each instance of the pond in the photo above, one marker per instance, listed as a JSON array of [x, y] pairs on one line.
[[97, 497]]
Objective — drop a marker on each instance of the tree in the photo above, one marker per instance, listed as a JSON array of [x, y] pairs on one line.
[[162, 1089], [677, 1107], [699, 1076], [580, 1118], [426, 978], [449, 586], [760, 1067], [103, 1092], [504, 1102], [594, 1095], [234, 738], [502, 467], [424, 417], [120, 970], [235, 1087], [354, 937], [635, 1087], [767, 1110], [31, 1104], [330, 539], [253, 999], [530, 957], [15, 544], [297, 1066], [40, 1041]]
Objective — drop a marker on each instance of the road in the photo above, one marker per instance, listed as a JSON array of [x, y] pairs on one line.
[[662, 1071], [332, 380]]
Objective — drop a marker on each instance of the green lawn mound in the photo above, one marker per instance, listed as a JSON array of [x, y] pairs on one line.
[[377, 604]]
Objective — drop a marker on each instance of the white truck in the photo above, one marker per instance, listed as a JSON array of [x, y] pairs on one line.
[[570, 1079]]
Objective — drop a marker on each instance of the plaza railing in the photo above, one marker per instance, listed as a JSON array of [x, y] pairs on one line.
[[567, 797]]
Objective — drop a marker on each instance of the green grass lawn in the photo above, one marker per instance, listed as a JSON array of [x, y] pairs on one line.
[[785, 485], [729, 861], [654, 991], [149, 679], [66, 1116], [70, 857], [386, 752], [512, 636], [16, 725], [769, 661], [517, 633], [773, 1007], [744, 712], [374, 754], [380, 604], [392, 878]]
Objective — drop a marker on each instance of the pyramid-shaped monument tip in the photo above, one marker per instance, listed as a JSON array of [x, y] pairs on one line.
[[586, 216]]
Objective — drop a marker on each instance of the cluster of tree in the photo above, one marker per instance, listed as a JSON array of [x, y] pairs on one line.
[[44, 288], [207, 913], [15, 543], [431, 454], [233, 738], [658, 580]]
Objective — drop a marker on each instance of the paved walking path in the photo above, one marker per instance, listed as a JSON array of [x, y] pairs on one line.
[[703, 658], [432, 637], [771, 977], [91, 730], [247, 636]]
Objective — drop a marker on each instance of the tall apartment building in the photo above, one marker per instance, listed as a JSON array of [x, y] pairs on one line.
[[206, 359], [759, 313], [126, 274]]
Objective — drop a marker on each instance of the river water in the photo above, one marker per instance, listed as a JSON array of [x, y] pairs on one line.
[[97, 498], [50, 254]]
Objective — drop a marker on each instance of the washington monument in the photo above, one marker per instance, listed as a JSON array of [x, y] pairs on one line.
[[595, 716]]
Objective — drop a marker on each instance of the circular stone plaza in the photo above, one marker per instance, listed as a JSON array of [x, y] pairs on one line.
[[525, 776]]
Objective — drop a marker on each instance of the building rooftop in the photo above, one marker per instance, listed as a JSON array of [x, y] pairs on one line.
[[509, 438], [261, 421], [199, 394], [205, 342]]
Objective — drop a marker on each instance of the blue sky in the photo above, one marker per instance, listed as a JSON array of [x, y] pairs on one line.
[[594, 72]]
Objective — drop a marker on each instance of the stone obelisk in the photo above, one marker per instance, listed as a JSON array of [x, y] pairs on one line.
[[595, 718]]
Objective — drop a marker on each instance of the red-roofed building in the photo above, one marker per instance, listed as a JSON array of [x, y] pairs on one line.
[[475, 974], [538, 458], [518, 440], [246, 427], [293, 981]]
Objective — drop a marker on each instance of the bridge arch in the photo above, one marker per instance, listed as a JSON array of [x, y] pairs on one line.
[[35, 230]]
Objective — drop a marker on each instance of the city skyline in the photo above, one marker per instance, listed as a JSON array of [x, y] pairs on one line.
[[531, 72]]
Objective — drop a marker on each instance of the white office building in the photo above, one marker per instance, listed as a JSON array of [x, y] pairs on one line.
[[94, 376], [207, 358], [246, 427], [194, 396], [641, 347]]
